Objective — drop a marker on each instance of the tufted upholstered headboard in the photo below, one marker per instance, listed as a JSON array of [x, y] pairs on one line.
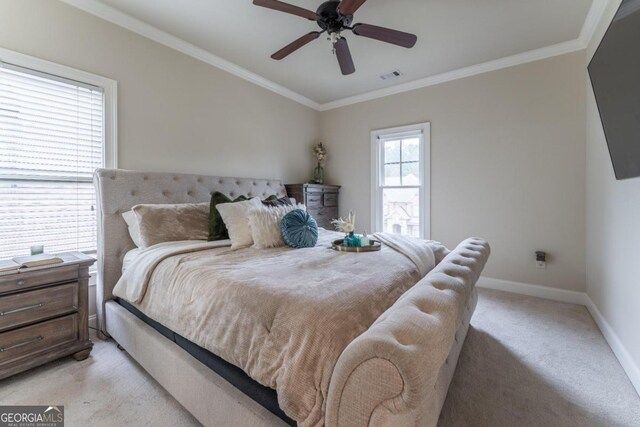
[[119, 190]]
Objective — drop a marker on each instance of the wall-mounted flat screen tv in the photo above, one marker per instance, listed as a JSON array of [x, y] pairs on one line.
[[615, 77]]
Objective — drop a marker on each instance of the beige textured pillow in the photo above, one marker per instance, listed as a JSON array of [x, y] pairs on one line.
[[265, 225], [235, 218], [172, 223]]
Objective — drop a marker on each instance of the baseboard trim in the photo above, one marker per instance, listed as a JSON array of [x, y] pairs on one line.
[[93, 322], [623, 356], [539, 291], [619, 350]]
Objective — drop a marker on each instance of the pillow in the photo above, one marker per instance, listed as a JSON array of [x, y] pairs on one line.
[[217, 228], [265, 225], [171, 223], [274, 201], [134, 229], [299, 229], [235, 218]]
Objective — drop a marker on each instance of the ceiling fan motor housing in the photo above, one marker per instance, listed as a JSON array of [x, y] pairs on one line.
[[334, 16], [330, 19]]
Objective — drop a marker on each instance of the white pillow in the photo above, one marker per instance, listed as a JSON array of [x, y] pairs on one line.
[[235, 218], [134, 228], [265, 225]]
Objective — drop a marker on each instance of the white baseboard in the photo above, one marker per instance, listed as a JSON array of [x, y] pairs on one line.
[[539, 291], [625, 359], [573, 297], [93, 323]]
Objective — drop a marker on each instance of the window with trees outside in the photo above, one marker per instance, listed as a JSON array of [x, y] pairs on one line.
[[400, 180], [54, 133]]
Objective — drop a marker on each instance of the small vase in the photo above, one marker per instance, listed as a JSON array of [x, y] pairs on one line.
[[318, 174], [349, 240], [352, 240]]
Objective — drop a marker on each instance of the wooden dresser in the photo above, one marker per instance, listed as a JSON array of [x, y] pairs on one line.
[[321, 201], [44, 314]]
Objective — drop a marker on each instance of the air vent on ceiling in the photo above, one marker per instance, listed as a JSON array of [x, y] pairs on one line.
[[392, 75]]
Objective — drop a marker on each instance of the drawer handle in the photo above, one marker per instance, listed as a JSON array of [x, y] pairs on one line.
[[20, 282], [22, 344], [18, 310]]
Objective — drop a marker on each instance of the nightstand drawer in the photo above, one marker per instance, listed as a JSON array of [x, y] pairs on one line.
[[33, 339], [29, 307], [54, 274]]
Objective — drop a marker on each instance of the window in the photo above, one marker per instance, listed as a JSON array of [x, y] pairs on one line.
[[53, 135], [400, 180]]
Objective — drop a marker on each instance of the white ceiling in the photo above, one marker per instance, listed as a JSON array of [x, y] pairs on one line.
[[452, 34]]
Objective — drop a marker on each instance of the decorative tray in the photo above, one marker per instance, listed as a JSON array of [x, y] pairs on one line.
[[374, 246]]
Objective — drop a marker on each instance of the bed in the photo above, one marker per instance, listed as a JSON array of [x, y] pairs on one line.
[[394, 370]]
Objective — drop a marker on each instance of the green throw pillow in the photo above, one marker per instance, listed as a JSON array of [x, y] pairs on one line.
[[217, 228]]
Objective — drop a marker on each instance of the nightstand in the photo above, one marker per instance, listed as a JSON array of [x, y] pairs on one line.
[[321, 201], [44, 314]]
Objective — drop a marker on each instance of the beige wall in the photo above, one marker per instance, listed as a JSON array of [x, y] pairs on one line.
[[613, 231], [507, 163], [175, 113]]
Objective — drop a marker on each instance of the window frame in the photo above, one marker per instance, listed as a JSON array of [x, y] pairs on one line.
[[109, 86], [377, 174], [110, 98]]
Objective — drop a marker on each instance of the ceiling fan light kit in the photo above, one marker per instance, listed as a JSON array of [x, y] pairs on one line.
[[334, 17]]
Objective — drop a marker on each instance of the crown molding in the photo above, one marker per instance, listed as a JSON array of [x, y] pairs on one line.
[[595, 15], [509, 61], [121, 19]]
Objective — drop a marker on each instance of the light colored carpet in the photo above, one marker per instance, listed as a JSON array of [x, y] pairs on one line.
[[532, 362], [526, 362], [108, 389]]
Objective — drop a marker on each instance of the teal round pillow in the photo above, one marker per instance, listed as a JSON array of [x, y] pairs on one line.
[[299, 229]]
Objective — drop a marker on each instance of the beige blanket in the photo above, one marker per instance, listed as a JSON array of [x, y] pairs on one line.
[[282, 315]]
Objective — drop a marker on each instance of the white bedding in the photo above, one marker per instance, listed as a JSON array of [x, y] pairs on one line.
[[129, 258]]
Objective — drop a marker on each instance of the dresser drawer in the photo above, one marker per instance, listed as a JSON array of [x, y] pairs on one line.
[[324, 216], [330, 199], [314, 200], [33, 339], [18, 282], [29, 307]]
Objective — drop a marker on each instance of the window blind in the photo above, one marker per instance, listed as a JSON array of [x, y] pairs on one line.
[[51, 142]]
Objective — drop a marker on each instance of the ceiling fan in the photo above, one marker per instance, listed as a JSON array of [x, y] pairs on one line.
[[333, 17]]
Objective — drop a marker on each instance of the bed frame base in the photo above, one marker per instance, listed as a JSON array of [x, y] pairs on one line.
[[207, 396], [210, 398]]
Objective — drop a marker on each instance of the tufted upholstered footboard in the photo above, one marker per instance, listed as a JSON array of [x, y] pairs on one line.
[[398, 371]]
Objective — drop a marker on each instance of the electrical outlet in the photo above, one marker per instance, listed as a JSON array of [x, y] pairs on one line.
[[541, 259]]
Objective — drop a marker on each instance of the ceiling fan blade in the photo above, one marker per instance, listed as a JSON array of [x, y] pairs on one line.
[[287, 8], [349, 7], [385, 35], [344, 57], [295, 45]]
